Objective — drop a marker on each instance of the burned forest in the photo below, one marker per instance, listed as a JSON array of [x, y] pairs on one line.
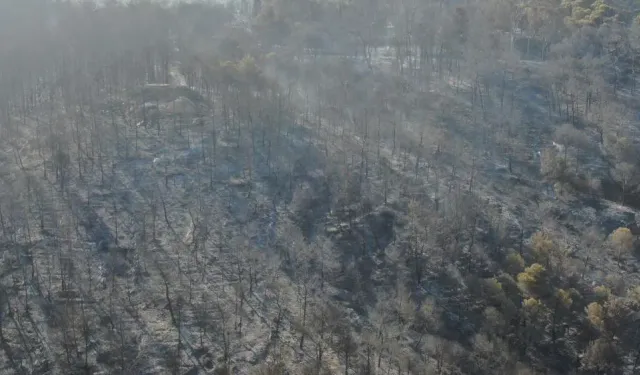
[[319, 187]]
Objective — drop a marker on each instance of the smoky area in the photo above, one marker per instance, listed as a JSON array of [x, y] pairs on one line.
[[319, 187]]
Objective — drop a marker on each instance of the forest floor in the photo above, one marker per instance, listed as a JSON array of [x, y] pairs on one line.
[[519, 193], [135, 219]]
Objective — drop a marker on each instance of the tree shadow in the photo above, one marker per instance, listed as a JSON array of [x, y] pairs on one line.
[[17, 367]]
